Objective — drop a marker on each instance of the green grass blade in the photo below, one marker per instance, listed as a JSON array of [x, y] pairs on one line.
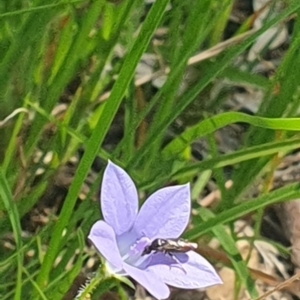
[[224, 160], [13, 214], [36, 287], [63, 281], [240, 156], [216, 122], [37, 8]]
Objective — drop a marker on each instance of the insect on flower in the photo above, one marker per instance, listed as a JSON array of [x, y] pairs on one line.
[[127, 233], [168, 246]]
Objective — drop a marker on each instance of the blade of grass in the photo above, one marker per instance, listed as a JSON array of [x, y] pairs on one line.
[[218, 31], [11, 147], [216, 122], [36, 287], [13, 214], [226, 160], [240, 156], [63, 281], [200, 184], [248, 79], [38, 8]]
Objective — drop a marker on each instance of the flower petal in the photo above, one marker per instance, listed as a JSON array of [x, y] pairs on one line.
[[196, 273], [165, 214], [160, 258], [119, 199], [151, 282], [104, 239]]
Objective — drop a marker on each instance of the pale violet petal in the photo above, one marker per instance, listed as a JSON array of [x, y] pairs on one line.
[[103, 238], [161, 258], [119, 199], [165, 214], [196, 273], [151, 282]]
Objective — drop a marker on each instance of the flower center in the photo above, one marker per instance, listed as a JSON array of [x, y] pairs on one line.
[[133, 255]]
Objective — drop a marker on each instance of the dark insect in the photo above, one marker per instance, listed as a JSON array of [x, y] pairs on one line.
[[168, 246]]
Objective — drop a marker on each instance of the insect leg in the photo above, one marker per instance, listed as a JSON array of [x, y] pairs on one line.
[[177, 262]]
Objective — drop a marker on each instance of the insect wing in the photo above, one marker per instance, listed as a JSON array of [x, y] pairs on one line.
[[186, 246], [171, 245]]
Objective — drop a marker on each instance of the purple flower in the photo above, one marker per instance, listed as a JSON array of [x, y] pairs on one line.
[[123, 235]]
